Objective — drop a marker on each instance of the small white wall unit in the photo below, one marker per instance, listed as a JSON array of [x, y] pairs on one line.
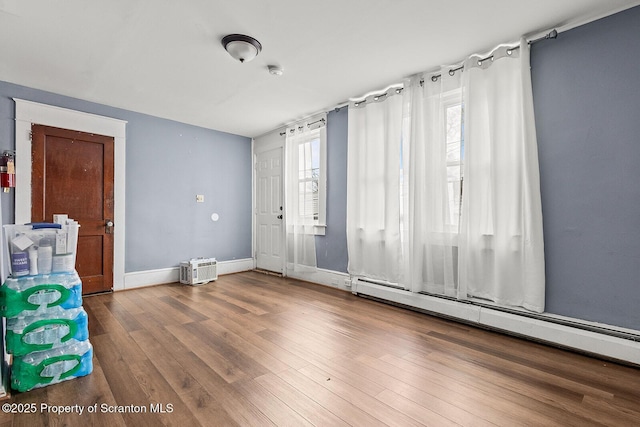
[[140, 279]]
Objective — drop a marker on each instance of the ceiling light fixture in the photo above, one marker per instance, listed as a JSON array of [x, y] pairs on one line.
[[241, 47]]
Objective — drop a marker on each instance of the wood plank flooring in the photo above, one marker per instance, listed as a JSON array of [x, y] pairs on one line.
[[258, 350]]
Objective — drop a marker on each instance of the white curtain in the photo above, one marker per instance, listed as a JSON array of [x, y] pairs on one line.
[[300, 227], [501, 243], [443, 184], [373, 188], [434, 105]]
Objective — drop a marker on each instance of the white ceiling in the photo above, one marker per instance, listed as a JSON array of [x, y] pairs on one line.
[[164, 58]]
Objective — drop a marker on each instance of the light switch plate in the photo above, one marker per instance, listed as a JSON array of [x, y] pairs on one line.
[[200, 198]]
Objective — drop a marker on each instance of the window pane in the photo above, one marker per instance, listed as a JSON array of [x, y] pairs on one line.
[[454, 187], [454, 132], [304, 160], [454, 173], [315, 153], [455, 155], [454, 117], [308, 205], [308, 177]]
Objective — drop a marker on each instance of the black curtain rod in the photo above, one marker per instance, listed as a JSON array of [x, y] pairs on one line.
[[551, 35], [323, 121], [317, 121]]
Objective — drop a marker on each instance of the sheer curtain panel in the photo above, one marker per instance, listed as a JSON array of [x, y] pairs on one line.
[[373, 187], [501, 242], [301, 192], [435, 178]]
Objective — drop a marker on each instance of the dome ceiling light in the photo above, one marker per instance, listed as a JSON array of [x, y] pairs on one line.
[[241, 47]]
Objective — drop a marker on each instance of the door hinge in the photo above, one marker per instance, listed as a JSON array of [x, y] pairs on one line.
[[31, 136]]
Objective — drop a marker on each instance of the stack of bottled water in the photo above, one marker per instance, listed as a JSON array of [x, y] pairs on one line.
[[41, 368], [34, 295], [46, 328], [56, 328]]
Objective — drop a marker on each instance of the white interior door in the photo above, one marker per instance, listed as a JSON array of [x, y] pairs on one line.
[[269, 213]]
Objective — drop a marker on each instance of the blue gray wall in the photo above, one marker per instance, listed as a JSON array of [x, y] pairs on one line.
[[168, 163], [331, 249], [586, 87]]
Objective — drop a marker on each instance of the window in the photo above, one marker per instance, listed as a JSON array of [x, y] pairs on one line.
[[308, 178], [454, 140], [309, 201]]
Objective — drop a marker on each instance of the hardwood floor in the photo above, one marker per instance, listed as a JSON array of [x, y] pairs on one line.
[[257, 350]]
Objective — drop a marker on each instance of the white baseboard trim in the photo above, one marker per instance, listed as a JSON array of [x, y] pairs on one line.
[[335, 279], [140, 279], [235, 266], [565, 336]]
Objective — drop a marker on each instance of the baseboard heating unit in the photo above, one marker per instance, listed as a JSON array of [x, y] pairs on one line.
[[198, 271], [604, 341]]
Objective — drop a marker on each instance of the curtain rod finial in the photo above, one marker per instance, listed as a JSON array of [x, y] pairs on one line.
[[553, 34]]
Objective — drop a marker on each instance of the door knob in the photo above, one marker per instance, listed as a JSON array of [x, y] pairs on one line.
[[108, 227], [279, 217]]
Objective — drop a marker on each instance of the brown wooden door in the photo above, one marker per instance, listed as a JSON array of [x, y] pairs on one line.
[[72, 173]]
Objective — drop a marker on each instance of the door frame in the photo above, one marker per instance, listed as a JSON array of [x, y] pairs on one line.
[[28, 112], [261, 144]]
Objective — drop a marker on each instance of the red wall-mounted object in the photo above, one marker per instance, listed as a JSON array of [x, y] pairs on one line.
[[7, 171]]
